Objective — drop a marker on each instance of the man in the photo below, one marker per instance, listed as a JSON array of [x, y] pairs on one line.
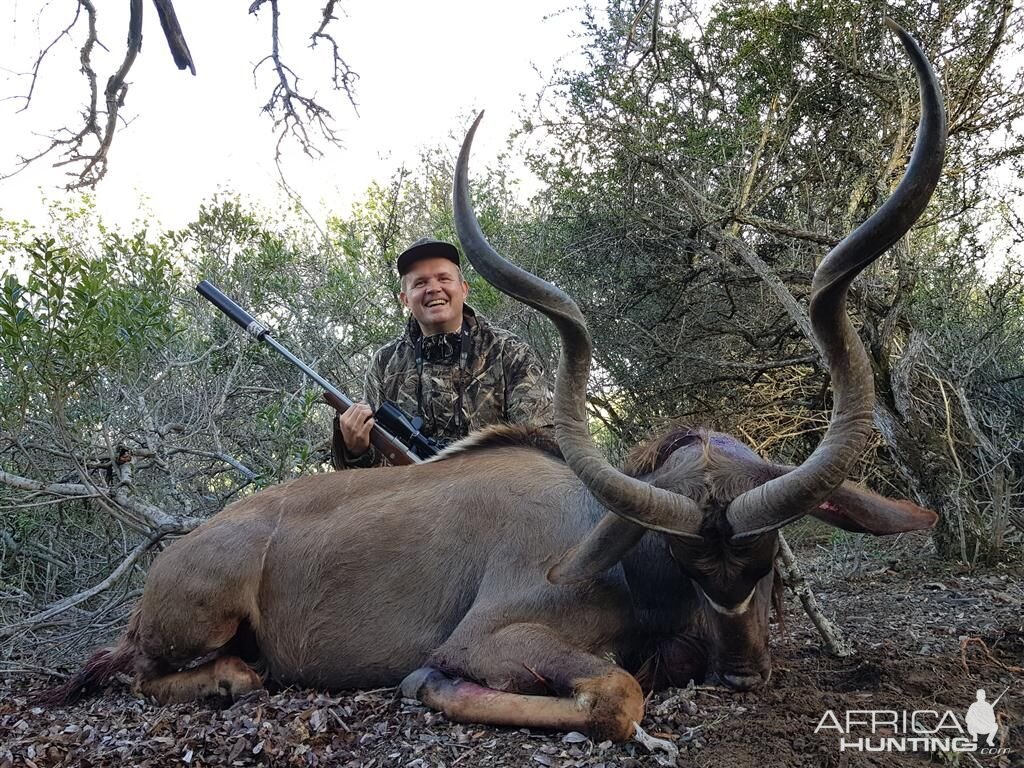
[[451, 366]]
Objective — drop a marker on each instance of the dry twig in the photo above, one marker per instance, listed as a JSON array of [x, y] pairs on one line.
[[292, 111], [833, 636], [86, 150], [967, 642]]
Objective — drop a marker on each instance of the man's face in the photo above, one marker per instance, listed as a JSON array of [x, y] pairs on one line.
[[434, 291]]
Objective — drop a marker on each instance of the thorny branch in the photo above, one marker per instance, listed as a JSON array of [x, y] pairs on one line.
[[293, 112], [86, 150]]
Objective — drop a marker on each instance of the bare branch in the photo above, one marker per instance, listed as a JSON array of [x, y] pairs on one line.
[[344, 78], [57, 608], [294, 113], [71, 145], [44, 53], [652, 48], [778, 228], [153, 515], [84, 148], [792, 577], [96, 165], [175, 38], [38, 550]]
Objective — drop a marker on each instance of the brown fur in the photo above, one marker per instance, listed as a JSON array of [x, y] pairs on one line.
[[505, 436], [651, 454]]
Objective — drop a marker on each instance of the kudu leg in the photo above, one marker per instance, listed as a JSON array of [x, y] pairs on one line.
[[168, 643], [591, 694], [225, 677]]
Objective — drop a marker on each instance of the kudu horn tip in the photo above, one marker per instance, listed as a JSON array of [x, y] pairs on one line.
[[901, 32]]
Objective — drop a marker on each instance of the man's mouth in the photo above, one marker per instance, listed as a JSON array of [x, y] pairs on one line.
[[436, 303]]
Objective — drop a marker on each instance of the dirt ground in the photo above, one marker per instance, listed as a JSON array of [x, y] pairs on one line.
[[927, 634]]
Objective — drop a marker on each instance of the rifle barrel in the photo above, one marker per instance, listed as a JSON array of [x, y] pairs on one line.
[[395, 452], [255, 328]]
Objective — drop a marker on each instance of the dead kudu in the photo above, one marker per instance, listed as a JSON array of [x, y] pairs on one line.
[[506, 584]]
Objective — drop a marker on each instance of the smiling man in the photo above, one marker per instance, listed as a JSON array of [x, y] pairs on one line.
[[450, 366]]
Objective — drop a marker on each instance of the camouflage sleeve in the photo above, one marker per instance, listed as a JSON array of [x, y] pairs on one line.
[[527, 391], [340, 456], [373, 386]]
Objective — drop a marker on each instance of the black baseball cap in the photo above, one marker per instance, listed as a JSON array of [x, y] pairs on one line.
[[427, 248]]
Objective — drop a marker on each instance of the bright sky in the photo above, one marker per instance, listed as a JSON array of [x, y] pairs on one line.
[[423, 67]]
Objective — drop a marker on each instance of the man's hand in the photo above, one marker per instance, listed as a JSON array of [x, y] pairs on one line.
[[356, 424]]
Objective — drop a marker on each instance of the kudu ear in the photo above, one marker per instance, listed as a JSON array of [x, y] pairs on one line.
[[862, 511], [607, 544], [853, 508]]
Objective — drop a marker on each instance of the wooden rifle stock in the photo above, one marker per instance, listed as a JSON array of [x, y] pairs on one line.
[[389, 446]]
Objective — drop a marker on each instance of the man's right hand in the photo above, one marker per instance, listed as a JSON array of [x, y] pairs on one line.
[[356, 424]]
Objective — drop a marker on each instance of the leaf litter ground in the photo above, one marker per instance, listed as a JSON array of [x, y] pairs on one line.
[[928, 636]]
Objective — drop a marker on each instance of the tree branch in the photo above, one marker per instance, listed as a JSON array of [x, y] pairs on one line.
[[57, 608], [153, 515], [175, 39], [344, 78], [72, 145], [293, 112], [833, 636]]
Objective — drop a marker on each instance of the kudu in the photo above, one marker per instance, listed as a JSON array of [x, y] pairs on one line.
[[504, 584]]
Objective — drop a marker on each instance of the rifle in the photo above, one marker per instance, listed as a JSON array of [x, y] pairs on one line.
[[396, 435]]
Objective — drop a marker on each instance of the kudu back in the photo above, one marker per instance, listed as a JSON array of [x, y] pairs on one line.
[[520, 580]]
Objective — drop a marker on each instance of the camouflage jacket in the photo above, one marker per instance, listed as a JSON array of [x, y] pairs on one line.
[[490, 372]]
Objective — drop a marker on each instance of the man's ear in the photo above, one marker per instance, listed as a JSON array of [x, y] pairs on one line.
[[465, 286], [404, 299]]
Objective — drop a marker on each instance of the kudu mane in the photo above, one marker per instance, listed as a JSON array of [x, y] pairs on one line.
[[708, 474], [504, 436], [713, 470], [649, 455]]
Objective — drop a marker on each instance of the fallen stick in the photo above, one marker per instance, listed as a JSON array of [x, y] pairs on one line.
[[792, 577], [965, 642]]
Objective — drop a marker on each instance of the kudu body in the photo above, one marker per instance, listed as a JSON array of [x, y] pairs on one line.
[[504, 583]]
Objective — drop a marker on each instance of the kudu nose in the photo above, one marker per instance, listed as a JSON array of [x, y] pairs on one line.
[[745, 682]]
